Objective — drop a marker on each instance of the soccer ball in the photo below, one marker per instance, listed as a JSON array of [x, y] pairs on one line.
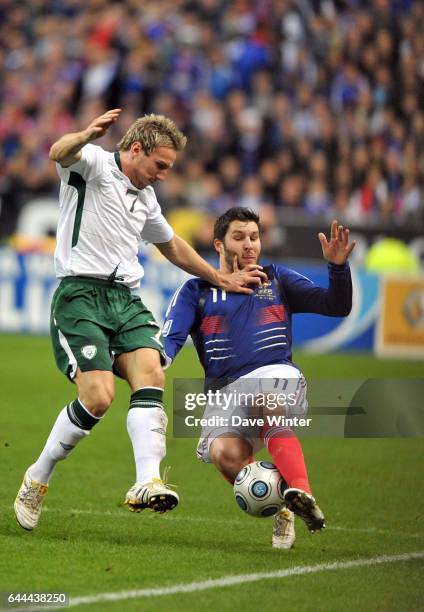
[[259, 489]]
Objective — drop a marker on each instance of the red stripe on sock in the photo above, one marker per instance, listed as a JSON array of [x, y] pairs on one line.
[[287, 454]]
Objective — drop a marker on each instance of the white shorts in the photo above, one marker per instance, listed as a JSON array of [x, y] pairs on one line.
[[280, 380]]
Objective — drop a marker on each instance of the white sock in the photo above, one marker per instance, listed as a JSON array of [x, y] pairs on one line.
[[63, 437], [147, 430]]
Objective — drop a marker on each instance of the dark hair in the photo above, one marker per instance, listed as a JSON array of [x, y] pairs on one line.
[[238, 213]]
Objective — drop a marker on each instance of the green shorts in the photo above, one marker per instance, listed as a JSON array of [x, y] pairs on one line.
[[93, 321]]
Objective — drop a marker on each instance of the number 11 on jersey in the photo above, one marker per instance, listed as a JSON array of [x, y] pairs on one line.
[[215, 294]]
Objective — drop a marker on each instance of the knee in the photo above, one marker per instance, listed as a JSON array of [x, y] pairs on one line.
[[230, 458], [97, 398], [230, 461]]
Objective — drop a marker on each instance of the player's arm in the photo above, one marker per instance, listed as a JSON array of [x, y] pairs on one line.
[[67, 150], [180, 253], [305, 296], [179, 318]]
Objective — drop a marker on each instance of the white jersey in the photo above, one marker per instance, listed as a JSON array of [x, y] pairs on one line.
[[103, 218]]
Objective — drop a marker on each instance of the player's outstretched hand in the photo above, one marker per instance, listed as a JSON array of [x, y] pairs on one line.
[[338, 248], [238, 280], [99, 126]]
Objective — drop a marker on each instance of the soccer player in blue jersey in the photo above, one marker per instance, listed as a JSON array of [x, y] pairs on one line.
[[246, 339]]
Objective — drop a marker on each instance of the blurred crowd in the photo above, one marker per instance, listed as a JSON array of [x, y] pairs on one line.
[[308, 105]]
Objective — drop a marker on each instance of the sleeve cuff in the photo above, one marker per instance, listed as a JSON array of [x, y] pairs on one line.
[[338, 267]]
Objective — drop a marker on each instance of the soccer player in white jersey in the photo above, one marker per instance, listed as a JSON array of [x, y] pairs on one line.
[[248, 340], [99, 326]]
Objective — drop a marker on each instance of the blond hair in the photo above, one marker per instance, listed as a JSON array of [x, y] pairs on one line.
[[153, 131]]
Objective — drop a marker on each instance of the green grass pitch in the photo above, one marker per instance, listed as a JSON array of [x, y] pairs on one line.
[[87, 543]]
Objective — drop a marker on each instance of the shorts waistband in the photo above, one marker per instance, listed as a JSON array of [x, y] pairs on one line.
[[98, 282]]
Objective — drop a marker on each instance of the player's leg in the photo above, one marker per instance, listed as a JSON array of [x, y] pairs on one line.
[[139, 358], [286, 450], [75, 421], [230, 455], [146, 419], [82, 353], [231, 449], [73, 424], [146, 424]]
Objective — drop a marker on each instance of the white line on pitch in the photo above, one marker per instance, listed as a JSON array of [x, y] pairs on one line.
[[227, 581], [204, 519]]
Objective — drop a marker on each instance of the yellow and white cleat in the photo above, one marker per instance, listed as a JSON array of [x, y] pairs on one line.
[[154, 494], [28, 502], [283, 533]]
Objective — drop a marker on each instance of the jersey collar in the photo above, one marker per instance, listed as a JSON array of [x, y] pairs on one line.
[[118, 160]]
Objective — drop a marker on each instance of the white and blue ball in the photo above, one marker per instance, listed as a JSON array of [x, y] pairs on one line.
[[259, 489]]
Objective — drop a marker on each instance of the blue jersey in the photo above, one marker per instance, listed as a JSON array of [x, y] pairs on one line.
[[235, 333]]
